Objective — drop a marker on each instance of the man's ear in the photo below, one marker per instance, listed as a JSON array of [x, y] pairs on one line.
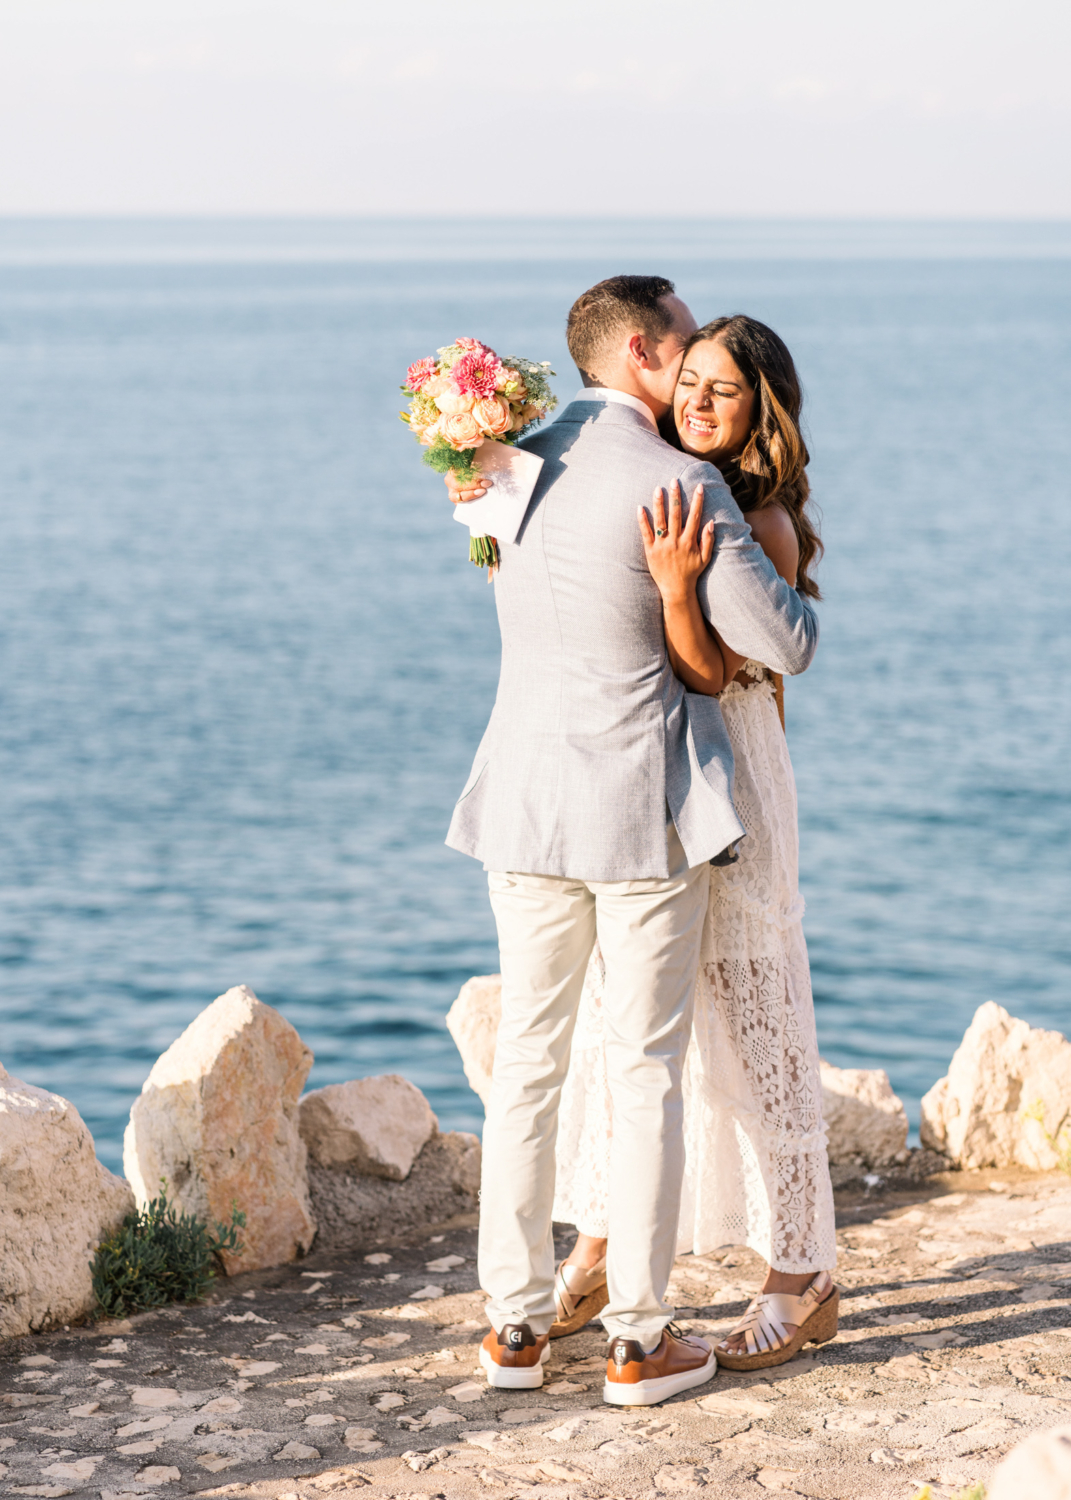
[[637, 348]]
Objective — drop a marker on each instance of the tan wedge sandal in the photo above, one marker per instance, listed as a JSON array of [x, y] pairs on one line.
[[814, 1312], [579, 1296]]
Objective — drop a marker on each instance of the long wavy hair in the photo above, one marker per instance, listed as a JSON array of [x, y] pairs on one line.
[[772, 469]]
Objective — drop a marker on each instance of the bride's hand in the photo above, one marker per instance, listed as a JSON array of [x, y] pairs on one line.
[[676, 553], [458, 494]]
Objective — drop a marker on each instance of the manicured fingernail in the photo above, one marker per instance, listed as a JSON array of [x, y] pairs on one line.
[[477, 493]]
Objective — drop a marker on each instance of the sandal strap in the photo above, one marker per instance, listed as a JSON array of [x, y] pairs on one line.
[[764, 1323], [573, 1283]]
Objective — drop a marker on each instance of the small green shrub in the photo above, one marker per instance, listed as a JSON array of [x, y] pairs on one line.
[[159, 1256]]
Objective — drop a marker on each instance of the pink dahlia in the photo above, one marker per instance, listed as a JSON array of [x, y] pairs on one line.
[[472, 346], [477, 374], [418, 375]]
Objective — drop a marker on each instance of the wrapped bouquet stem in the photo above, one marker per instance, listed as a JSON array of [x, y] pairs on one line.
[[467, 408]]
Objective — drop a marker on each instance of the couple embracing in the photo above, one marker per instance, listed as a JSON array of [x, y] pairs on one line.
[[656, 1073]]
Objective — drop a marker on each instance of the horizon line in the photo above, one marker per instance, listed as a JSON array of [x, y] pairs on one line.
[[558, 216]]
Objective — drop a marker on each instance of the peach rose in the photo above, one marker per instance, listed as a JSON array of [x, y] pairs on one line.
[[436, 385], [493, 414], [513, 379], [450, 403], [461, 430]]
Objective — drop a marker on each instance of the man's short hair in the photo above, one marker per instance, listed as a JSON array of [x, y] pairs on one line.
[[613, 310]]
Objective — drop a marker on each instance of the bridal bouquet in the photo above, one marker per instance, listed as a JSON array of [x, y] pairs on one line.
[[465, 397]]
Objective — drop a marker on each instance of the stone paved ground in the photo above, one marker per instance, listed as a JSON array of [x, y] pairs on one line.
[[352, 1372]]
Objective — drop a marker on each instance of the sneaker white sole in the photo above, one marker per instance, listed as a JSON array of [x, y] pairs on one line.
[[651, 1392], [511, 1378]]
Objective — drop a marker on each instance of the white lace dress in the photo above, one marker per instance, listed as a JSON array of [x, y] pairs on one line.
[[756, 1170]]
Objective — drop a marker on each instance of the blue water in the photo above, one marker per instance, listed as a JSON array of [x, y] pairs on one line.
[[244, 663]]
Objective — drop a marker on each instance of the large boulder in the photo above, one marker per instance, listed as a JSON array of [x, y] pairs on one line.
[[865, 1121], [354, 1210], [1006, 1097], [472, 1021], [217, 1123], [56, 1203], [1038, 1469], [378, 1126]]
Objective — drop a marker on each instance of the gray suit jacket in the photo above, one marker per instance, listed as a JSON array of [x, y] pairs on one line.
[[592, 734]]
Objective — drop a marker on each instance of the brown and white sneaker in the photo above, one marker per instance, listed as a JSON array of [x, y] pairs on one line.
[[634, 1378], [514, 1358]]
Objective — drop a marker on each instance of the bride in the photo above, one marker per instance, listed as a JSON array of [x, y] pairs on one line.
[[756, 1170]]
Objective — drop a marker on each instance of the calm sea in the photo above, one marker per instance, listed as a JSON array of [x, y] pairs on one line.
[[244, 662]]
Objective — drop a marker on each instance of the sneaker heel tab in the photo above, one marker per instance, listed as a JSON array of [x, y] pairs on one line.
[[516, 1336], [625, 1352]]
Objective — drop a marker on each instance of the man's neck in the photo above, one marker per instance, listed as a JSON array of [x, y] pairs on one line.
[[626, 387]]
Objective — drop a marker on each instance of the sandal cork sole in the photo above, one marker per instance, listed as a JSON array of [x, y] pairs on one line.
[[819, 1328], [587, 1308]]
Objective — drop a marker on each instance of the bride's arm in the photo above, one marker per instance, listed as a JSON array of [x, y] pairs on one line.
[[776, 535], [698, 656], [676, 560]]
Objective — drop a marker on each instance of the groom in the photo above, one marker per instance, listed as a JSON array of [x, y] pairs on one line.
[[599, 795]]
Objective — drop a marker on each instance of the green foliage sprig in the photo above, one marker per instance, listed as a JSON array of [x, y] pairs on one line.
[[441, 457], [158, 1256], [535, 378]]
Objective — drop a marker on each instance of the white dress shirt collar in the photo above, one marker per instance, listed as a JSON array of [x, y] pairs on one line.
[[604, 393]]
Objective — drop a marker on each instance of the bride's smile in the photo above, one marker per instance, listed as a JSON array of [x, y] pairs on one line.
[[713, 405]]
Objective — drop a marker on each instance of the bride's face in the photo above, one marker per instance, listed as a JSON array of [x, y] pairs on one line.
[[713, 404]]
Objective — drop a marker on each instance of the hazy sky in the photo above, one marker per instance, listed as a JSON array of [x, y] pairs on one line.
[[750, 108]]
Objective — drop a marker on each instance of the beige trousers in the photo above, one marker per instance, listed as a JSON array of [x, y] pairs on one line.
[[649, 932]]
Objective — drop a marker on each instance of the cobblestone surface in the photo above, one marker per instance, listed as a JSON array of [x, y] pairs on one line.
[[358, 1373]]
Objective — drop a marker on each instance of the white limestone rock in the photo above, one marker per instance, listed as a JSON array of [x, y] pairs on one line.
[[865, 1121], [981, 1113], [57, 1202], [377, 1126], [1038, 1469], [472, 1021], [217, 1120]]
